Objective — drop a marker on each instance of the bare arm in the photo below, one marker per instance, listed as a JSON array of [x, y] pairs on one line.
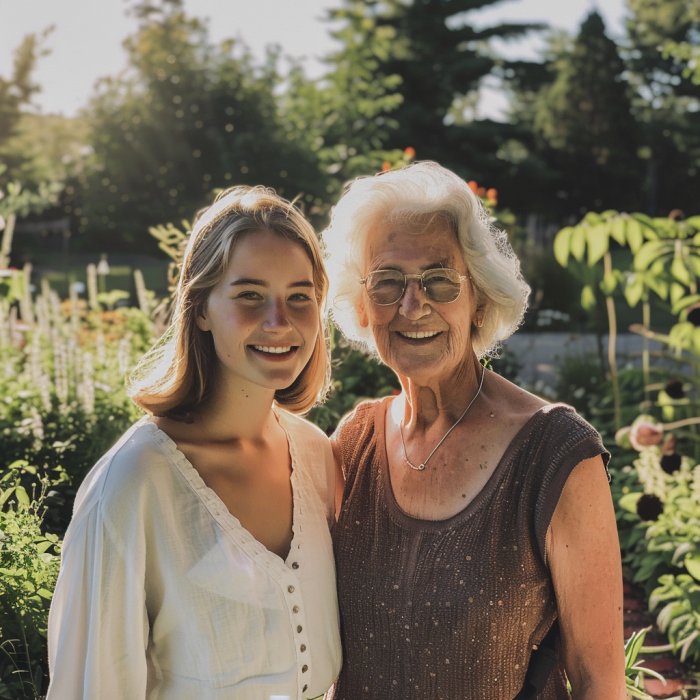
[[584, 557], [339, 477]]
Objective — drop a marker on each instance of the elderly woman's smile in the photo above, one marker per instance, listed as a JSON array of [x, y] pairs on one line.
[[417, 333]]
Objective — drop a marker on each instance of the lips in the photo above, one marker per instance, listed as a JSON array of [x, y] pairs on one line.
[[274, 353], [417, 338], [418, 335]]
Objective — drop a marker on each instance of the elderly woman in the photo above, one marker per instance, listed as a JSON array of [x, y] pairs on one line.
[[476, 547]]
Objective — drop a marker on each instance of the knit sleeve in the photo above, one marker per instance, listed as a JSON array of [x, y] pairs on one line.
[[566, 441]]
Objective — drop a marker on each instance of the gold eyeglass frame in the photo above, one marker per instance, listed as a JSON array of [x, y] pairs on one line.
[[421, 283]]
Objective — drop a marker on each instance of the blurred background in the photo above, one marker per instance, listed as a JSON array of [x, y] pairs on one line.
[[576, 122], [134, 114]]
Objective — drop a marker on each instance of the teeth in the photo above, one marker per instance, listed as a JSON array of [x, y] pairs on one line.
[[422, 334], [272, 349]]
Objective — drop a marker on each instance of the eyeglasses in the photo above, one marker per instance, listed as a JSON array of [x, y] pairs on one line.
[[385, 287]]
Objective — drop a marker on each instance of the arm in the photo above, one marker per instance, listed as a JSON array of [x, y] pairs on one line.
[[583, 553], [98, 627]]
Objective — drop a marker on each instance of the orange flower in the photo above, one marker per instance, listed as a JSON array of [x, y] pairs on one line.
[[386, 166], [473, 186], [480, 191], [409, 152], [492, 194]]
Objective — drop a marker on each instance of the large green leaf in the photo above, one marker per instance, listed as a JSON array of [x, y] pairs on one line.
[[677, 292], [681, 304], [649, 253], [658, 285], [592, 219], [587, 298], [598, 242], [578, 242], [618, 230], [635, 235], [680, 271], [634, 290], [692, 564], [694, 221], [562, 246]]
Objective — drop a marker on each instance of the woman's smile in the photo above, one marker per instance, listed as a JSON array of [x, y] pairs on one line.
[[274, 353]]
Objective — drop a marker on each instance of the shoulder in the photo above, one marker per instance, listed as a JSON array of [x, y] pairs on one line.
[[561, 422], [301, 427], [352, 423], [311, 449], [125, 475]]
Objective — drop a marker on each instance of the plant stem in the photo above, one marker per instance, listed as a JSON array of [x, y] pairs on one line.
[[612, 343], [646, 320]]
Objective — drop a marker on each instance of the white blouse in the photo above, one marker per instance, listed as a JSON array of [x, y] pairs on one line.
[[163, 594]]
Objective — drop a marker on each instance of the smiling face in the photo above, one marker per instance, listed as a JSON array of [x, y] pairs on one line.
[[263, 314], [417, 337]]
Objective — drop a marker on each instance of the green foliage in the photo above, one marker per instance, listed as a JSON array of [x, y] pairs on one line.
[[64, 402], [680, 616], [356, 377], [29, 563], [188, 117], [634, 674], [15, 93], [584, 119], [665, 103]]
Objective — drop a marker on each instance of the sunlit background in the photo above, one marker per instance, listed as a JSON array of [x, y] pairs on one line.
[[577, 124]]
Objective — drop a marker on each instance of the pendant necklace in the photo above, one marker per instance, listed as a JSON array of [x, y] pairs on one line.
[[421, 467]]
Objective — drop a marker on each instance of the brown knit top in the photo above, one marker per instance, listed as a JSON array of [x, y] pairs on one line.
[[450, 609]]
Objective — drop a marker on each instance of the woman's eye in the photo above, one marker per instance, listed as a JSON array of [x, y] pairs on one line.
[[300, 297], [249, 296]]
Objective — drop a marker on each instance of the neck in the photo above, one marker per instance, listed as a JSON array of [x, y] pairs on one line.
[[238, 410], [441, 400]]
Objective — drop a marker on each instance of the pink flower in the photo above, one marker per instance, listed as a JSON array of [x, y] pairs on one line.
[[645, 434]]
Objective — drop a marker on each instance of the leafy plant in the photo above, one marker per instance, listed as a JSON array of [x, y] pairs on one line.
[[29, 564], [680, 616], [634, 674]]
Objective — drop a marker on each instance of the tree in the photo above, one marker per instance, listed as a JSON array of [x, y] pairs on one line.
[[586, 127], [186, 117], [666, 105], [347, 117], [15, 94], [433, 59]]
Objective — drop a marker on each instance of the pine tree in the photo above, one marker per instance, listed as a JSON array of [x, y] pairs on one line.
[[666, 103], [587, 131], [435, 58]]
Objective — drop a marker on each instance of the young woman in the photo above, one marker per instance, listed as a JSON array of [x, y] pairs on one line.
[[198, 563]]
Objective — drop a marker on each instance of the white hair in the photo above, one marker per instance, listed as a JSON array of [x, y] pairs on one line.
[[413, 194]]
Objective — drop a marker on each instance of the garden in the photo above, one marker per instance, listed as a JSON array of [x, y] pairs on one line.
[[91, 238]]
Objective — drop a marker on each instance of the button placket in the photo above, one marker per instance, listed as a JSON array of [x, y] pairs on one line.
[[298, 619]]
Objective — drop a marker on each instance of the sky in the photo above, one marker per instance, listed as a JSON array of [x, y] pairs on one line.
[[86, 43]]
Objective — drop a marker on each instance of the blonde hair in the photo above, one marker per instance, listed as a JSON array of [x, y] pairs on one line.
[[416, 194], [177, 374]]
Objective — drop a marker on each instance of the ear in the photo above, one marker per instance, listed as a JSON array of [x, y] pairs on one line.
[[201, 320], [361, 311]]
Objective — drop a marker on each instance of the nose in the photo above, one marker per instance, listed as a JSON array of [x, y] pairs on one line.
[[276, 318], [413, 304]]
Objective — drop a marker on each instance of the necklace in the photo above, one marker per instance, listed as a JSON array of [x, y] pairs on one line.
[[421, 466]]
